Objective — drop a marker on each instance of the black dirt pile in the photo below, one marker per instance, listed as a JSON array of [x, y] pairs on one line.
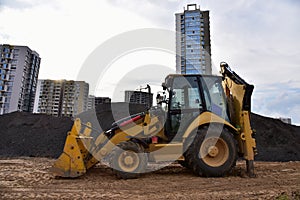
[[25, 134], [105, 114], [275, 140], [39, 135]]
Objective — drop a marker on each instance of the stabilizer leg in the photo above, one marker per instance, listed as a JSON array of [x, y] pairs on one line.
[[250, 168]]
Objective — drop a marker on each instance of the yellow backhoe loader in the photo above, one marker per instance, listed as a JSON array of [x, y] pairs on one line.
[[200, 121]]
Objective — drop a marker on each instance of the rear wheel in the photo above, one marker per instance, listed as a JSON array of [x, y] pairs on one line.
[[212, 153], [128, 160]]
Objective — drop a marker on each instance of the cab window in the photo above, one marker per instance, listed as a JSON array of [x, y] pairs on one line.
[[214, 96], [185, 93]]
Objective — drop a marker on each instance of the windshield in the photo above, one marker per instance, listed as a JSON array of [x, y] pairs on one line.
[[214, 96], [185, 93]]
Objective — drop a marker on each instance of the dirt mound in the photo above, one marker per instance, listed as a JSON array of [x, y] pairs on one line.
[[25, 134], [39, 135], [105, 114], [275, 140]]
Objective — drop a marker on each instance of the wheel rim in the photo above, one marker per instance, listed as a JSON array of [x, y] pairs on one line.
[[214, 151], [128, 161]]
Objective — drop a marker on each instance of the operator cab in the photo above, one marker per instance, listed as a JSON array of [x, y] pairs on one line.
[[186, 97]]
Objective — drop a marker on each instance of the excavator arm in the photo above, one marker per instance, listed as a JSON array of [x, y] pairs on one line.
[[238, 93]]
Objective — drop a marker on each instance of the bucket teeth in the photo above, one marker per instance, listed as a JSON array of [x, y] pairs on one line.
[[71, 162]]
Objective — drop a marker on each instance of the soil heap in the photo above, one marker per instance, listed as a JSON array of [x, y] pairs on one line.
[[39, 135], [276, 140]]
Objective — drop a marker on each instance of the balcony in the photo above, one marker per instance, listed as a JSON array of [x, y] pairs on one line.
[[6, 66], [8, 56], [6, 78], [3, 89]]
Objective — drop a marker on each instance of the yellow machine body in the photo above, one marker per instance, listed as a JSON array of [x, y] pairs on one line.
[[81, 151]]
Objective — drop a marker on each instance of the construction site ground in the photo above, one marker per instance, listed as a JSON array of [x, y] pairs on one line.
[[28, 178], [30, 143]]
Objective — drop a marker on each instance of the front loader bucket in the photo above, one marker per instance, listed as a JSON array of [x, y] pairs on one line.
[[71, 161]]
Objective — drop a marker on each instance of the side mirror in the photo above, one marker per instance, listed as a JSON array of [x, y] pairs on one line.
[[158, 97], [164, 86]]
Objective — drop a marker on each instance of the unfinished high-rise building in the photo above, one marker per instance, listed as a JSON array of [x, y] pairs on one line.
[[193, 48], [62, 97], [139, 97]]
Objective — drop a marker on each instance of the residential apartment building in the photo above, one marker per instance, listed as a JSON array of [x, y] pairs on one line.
[[91, 102], [62, 97], [100, 100], [193, 48], [19, 69], [94, 101], [139, 97]]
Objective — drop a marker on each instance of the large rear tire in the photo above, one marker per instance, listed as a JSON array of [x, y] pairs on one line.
[[212, 154], [128, 160]]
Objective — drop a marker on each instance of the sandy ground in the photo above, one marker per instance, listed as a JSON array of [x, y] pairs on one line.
[[30, 178]]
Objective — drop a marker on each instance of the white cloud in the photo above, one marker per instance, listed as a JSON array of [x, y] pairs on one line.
[[65, 33], [25, 4], [16, 4], [145, 66], [259, 39], [278, 100]]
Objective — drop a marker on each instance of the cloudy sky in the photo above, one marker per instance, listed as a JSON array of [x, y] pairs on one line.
[[259, 39]]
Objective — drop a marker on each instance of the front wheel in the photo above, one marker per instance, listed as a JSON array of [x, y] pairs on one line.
[[128, 160], [212, 153]]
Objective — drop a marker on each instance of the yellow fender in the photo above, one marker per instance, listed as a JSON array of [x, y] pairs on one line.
[[206, 118]]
